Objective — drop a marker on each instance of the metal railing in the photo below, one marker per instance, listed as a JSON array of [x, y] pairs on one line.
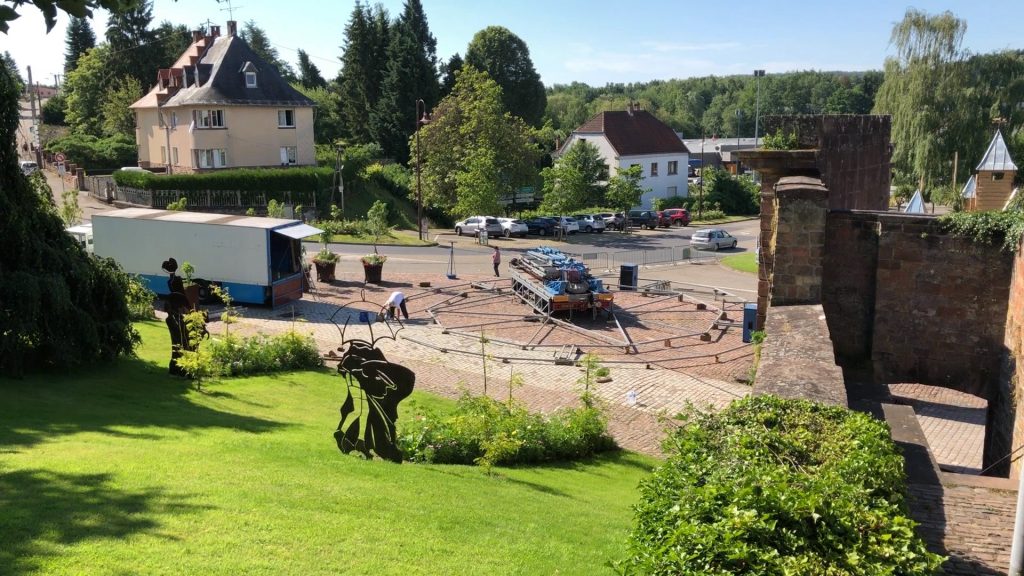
[[668, 255]]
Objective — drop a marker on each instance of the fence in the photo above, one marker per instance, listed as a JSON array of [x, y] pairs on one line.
[[209, 199], [100, 187], [670, 255]]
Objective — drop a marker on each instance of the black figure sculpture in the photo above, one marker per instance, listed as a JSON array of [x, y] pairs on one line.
[[374, 387], [176, 305]]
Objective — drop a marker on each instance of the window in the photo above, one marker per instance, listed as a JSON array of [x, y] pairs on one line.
[[997, 175], [209, 118], [673, 168], [174, 119], [250, 79], [163, 154], [672, 190], [160, 119], [174, 155], [288, 155], [633, 165], [654, 168], [214, 158], [286, 118]]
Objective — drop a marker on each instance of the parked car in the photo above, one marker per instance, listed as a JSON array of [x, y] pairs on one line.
[[540, 226], [643, 219], [677, 216], [663, 220], [569, 225], [590, 223], [28, 167], [512, 227], [474, 224], [612, 221], [712, 239]]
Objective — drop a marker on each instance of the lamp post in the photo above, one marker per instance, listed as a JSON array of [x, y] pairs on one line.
[[421, 118], [757, 110]]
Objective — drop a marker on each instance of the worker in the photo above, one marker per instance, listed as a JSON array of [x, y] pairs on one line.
[[396, 300], [496, 260]]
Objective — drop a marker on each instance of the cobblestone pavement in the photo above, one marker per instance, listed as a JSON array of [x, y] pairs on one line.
[[665, 377], [953, 422]]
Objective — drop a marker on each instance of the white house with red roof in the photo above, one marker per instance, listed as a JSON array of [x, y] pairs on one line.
[[635, 137]]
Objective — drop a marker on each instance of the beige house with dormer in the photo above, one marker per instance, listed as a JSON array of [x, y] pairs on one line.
[[222, 106]]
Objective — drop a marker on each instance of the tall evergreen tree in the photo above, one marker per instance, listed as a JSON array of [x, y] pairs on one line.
[[80, 38], [257, 39], [361, 70], [174, 39], [411, 75], [309, 74], [134, 48], [448, 71], [506, 59], [12, 69]]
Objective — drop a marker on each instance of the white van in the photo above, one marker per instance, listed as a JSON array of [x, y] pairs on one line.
[[82, 233], [28, 167]]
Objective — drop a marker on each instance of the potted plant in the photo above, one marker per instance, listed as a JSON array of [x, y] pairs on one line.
[[192, 290], [325, 262], [373, 265]]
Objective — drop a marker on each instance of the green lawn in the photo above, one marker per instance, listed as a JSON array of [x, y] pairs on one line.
[[745, 262], [726, 220], [124, 470], [397, 238]]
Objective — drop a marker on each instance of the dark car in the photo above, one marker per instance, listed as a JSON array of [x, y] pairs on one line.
[[644, 218], [677, 216], [540, 226]]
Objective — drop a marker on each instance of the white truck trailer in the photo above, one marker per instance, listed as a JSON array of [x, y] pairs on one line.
[[259, 260]]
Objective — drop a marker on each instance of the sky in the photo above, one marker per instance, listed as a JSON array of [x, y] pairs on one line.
[[591, 41]]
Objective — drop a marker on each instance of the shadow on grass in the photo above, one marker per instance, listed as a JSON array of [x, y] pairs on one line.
[[129, 392], [44, 511]]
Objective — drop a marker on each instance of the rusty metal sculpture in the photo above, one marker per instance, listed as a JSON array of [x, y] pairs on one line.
[[374, 387]]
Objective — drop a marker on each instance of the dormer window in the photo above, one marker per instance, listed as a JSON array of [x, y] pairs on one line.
[[250, 74]]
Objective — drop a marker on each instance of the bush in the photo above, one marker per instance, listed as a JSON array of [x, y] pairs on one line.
[[251, 179], [96, 153], [735, 195], [773, 486], [484, 431], [235, 356], [140, 299]]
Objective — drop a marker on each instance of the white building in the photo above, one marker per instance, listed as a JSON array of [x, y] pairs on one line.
[[635, 136]]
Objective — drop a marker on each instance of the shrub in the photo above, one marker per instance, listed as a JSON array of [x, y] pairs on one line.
[[237, 356], [96, 153], [773, 486], [485, 431], [252, 179], [140, 299]]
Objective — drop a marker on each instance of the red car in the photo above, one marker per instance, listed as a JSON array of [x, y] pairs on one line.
[[676, 217]]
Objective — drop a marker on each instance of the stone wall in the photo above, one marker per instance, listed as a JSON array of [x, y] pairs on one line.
[[797, 360], [798, 240], [848, 285], [1011, 377], [853, 155]]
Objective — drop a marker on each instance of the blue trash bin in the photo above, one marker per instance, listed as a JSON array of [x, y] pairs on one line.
[[749, 320]]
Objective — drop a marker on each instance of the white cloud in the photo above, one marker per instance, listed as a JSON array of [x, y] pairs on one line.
[[704, 47]]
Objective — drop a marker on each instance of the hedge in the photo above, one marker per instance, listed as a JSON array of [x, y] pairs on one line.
[[773, 486], [245, 179]]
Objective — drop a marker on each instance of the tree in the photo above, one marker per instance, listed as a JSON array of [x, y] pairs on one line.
[[506, 59], [12, 68], [260, 44], [473, 151], [78, 9], [411, 75], [80, 39], [134, 45], [309, 74], [52, 112], [118, 118], [925, 89], [361, 70], [62, 307], [174, 39], [586, 159], [448, 71], [327, 123], [624, 189], [85, 88], [565, 189]]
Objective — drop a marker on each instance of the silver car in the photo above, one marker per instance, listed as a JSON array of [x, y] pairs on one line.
[[712, 239], [590, 223], [474, 224], [512, 227]]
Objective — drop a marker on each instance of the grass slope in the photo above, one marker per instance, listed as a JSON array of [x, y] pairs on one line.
[[124, 470], [745, 262]]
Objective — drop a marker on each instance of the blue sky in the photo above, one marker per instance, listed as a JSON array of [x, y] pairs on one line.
[[592, 41]]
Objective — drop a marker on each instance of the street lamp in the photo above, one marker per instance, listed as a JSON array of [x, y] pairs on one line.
[[421, 118], [757, 111]]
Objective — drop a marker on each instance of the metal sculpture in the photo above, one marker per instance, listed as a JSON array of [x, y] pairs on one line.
[[177, 305], [374, 387]]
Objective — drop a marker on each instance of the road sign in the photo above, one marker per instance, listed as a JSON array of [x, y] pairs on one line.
[[60, 158], [60, 170]]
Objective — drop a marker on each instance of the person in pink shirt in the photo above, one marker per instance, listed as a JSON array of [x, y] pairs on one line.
[[496, 259]]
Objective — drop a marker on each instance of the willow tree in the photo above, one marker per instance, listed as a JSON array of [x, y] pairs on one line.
[[927, 91]]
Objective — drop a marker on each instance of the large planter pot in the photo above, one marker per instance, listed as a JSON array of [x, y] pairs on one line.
[[372, 272], [325, 271]]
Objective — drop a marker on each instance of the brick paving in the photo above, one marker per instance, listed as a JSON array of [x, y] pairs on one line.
[[953, 422], [672, 369]]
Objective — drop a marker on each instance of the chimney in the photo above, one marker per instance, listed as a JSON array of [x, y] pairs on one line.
[[232, 28], [197, 35], [214, 31]]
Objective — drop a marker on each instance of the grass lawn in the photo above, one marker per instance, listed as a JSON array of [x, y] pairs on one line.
[[745, 262], [726, 220], [396, 238], [125, 470]]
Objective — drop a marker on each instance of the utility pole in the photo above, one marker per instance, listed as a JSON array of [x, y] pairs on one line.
[[956, 160], [700, 200], [35, 122], [757, 109]]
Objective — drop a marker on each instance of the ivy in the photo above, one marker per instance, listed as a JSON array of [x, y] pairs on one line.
[[1003, 228]]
